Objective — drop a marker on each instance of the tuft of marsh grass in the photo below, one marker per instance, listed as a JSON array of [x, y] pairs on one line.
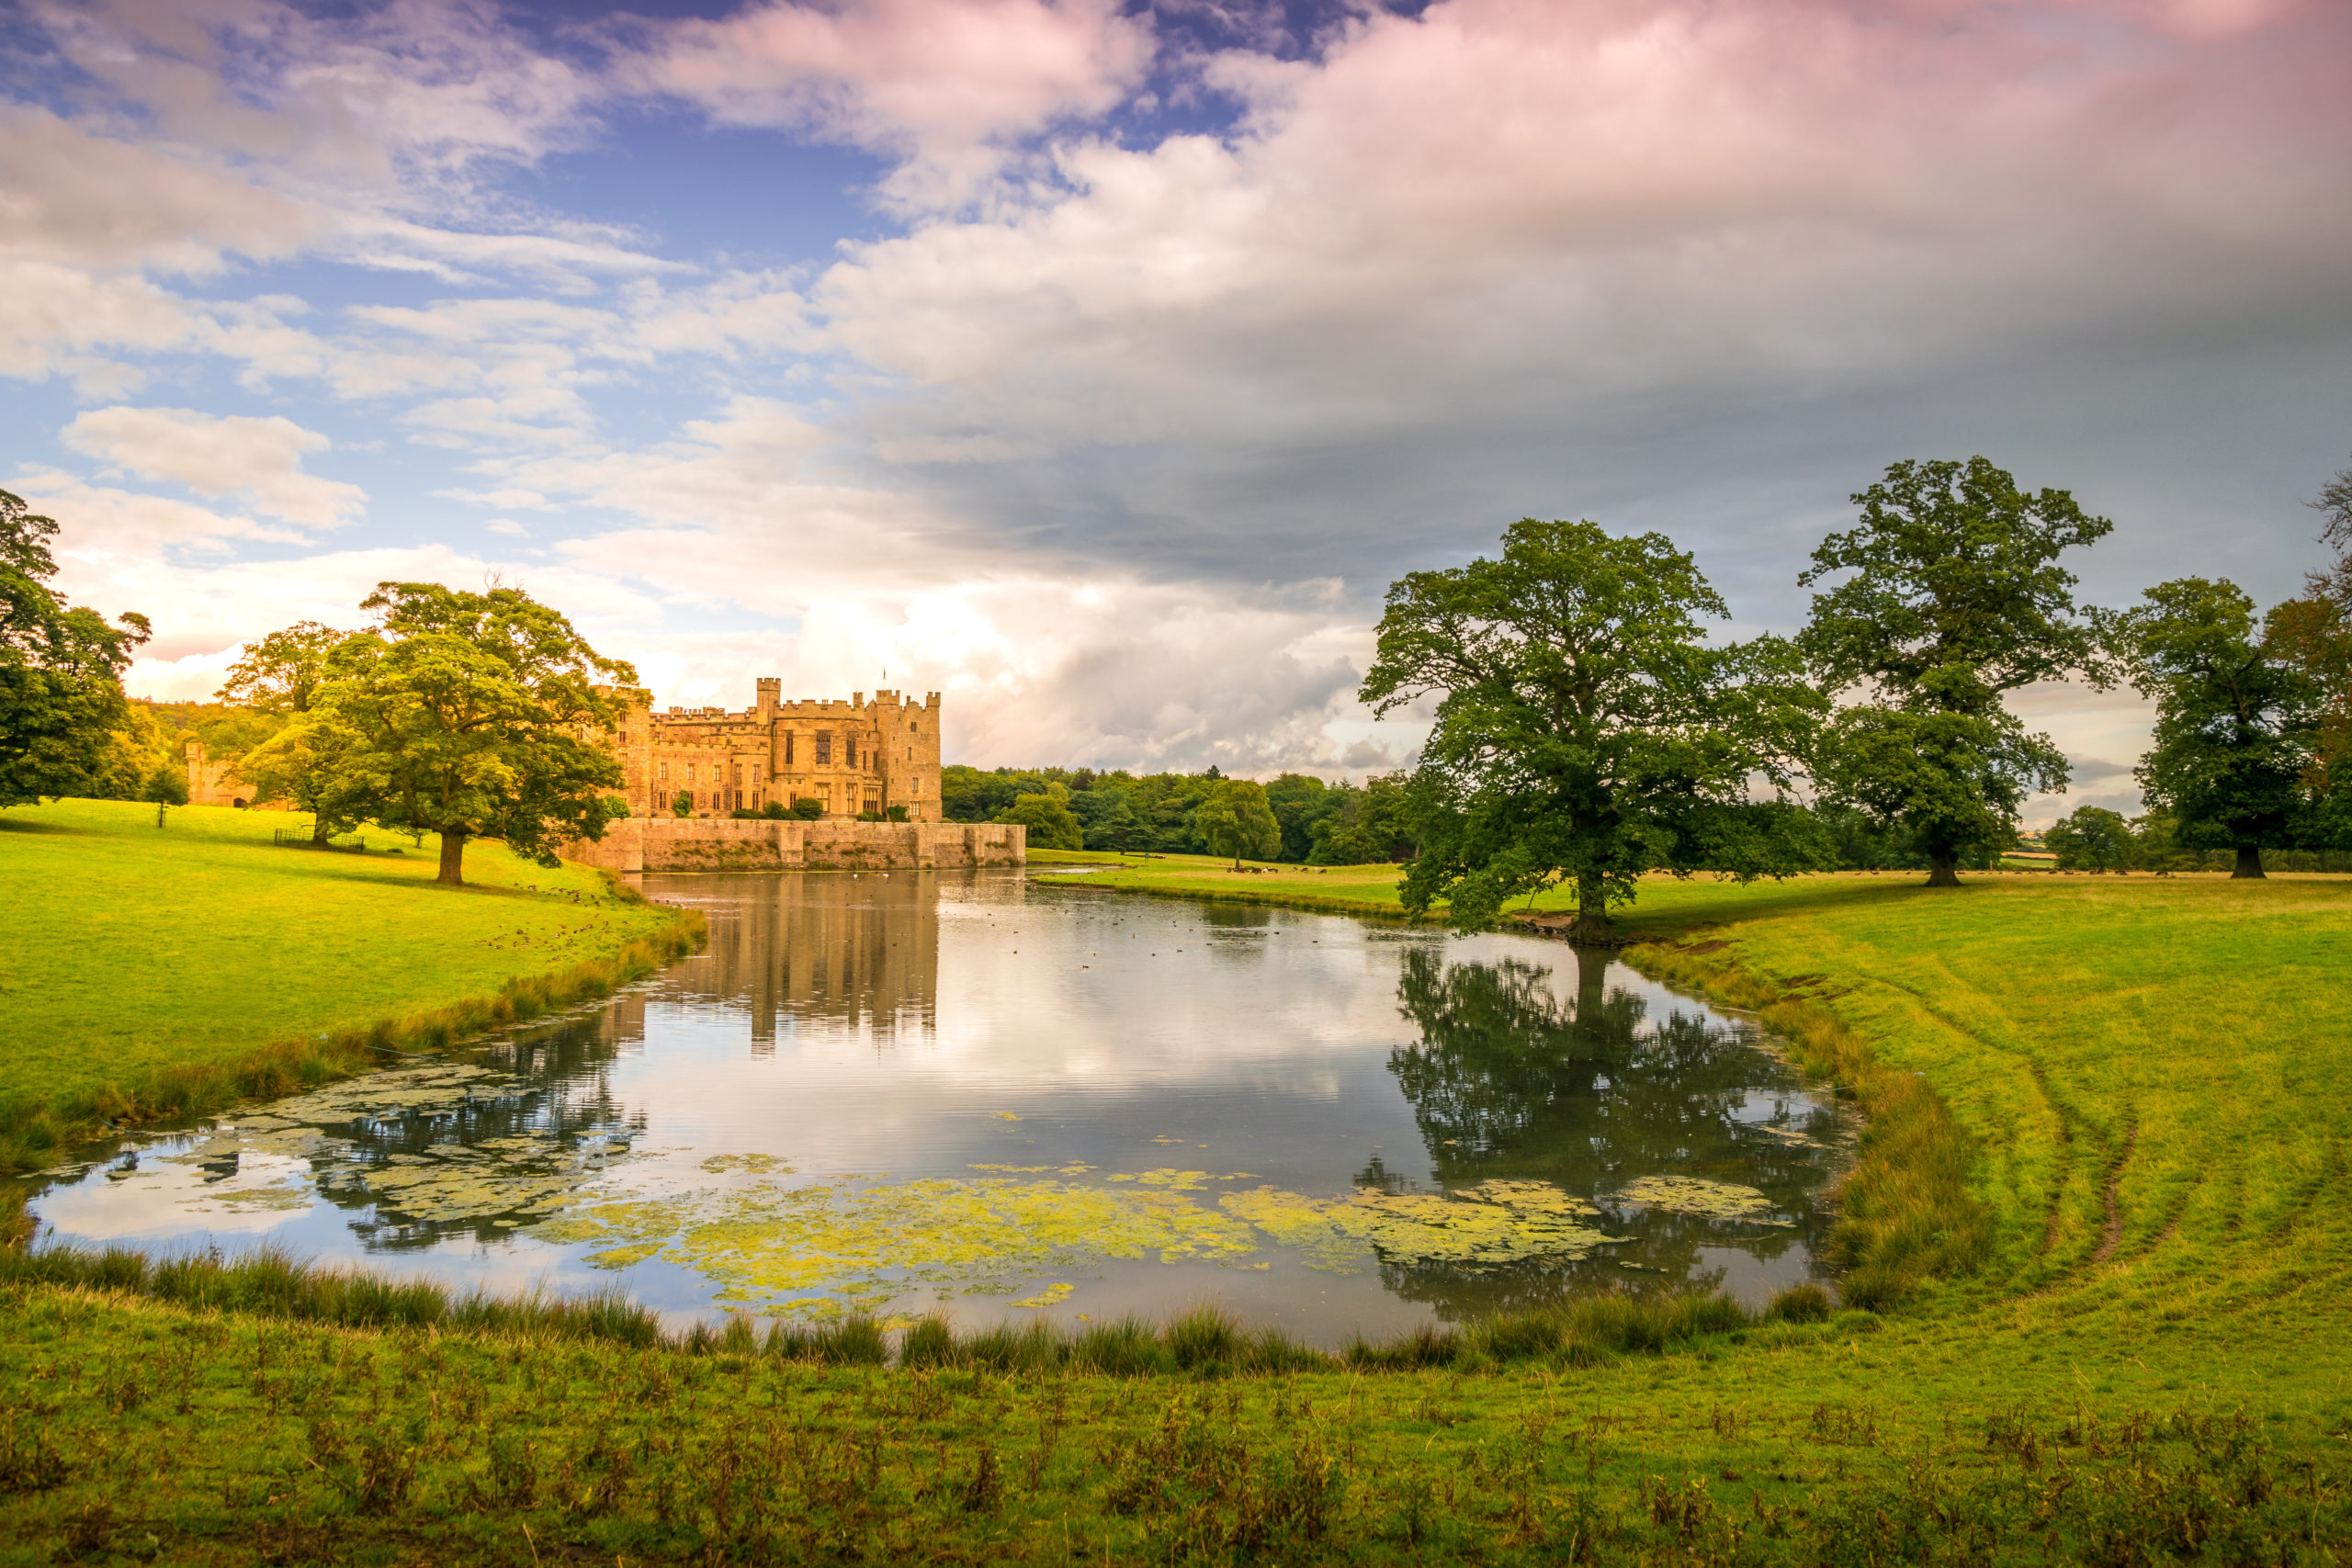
[[269, 1283], [1800, 1304]]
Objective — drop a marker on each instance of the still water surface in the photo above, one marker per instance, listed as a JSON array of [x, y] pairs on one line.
[[896, 1093]]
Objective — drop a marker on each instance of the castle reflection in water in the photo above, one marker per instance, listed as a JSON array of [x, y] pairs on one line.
[[855, 956]]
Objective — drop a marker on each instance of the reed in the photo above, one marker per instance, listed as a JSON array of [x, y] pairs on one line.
[[270, 1284]]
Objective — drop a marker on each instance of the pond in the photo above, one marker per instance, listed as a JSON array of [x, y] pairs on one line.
[[898, 1092]]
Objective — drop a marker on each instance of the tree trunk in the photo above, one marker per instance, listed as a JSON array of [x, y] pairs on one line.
[[2249, 865], [453, 857], [317, 828], [1592, 910], [1592, 970], [1943, 870]]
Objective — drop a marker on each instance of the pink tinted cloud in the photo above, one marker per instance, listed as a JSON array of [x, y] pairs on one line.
[[929, 77]]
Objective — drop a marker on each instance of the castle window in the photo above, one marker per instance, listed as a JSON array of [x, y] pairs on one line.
[[787, 748], [914, 729], [849, 745], [824, 748]]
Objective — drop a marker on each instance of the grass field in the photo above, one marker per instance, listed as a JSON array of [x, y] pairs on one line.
[[2106, 1164], [136, 957]]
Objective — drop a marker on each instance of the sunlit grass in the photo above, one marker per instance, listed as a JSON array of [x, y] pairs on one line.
[[139, 964], [2103, 1205]]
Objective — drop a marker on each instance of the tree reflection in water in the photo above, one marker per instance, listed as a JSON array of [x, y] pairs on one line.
[[551, 1115], [1509, 1080]]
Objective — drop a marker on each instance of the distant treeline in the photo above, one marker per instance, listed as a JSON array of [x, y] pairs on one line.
[[1072, 809], [1320, 823]]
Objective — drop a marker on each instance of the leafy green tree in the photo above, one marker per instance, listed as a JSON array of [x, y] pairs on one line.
[[1583, 731], [1115, 825], [470, 715], [1052, 824], [278, 676], [1234, 819], [2092, 837], [1954, 598], [1373, 825], [62, 705], [166, 785], [2236, 722], [683, 803], [1300, 801]]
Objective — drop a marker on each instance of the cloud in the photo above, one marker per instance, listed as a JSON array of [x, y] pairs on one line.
[[2083, 771], [944, 84], [1532, 241], [257, 459], [1113, 434], [72, 198]]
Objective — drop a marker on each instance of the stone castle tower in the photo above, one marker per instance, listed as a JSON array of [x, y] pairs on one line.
[[853, 758]]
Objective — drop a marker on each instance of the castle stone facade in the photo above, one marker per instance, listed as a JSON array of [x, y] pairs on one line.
[[853, 759]]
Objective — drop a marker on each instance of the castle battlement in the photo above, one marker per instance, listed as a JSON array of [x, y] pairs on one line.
[[852, 757]]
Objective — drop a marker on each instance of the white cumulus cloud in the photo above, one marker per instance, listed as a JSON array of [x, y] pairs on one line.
[[256, 460]]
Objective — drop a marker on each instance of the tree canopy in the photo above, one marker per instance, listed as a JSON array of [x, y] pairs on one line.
[[1583, 729], [1051, 823], [2092, 837], [1951, 596], [2236, 722], [279, 675], [468, 714], [61, 705], [1235, 820]]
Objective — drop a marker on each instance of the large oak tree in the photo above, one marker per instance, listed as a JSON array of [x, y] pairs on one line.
[[1583, 731], [1949, 596], [470, 715]]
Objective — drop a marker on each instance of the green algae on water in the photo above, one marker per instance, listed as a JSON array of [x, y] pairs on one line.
[[1487, 1226], [772, 1246], [1710, 1200]]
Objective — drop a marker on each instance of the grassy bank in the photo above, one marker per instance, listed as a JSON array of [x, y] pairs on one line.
[[1667, 904], [160, 972], [2103, 1203]]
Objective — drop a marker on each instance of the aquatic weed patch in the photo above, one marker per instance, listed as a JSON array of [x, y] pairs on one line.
[[1490, 1226], [1696, 1195], [384, 1140], [864, 1243]]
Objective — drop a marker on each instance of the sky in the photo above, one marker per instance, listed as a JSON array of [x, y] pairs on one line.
[[1098, 363]]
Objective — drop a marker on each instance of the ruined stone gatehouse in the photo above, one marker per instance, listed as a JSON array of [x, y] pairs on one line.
[[852, 758]]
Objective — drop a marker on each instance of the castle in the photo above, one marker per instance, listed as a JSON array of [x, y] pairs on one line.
[[855, 759]]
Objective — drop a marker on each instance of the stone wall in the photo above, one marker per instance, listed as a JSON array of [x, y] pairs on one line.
[[211, 782], [727, 844]]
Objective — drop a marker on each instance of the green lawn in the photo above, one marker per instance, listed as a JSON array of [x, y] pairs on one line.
[[2136, 1088], [1666, 903], [133, 951]]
